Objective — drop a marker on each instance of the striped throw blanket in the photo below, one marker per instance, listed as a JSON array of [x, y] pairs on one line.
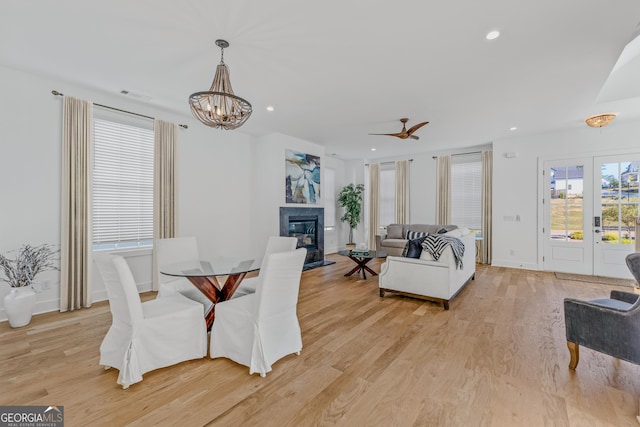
[[435, 244]]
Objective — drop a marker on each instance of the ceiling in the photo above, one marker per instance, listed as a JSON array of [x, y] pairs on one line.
[[336, 71]]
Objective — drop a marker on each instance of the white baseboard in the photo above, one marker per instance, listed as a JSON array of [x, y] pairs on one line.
[[514, 264], [54, 304]]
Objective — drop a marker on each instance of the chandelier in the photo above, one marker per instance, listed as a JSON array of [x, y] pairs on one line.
[[600, 120], [219, 107]]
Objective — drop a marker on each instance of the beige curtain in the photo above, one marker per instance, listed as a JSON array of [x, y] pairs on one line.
[[443, 190], [374, 203], [487, 202], [402, 192], [164, 185], [75, 239]]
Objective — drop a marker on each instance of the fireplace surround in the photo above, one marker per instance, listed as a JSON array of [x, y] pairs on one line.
[[307, 225]]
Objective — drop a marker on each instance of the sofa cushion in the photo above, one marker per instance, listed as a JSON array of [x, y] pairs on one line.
[[454, 233], [394, 243], [415, 234], [394, 231], [413, 248]]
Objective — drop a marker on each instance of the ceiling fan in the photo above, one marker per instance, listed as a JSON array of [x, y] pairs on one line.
[[405, 133]]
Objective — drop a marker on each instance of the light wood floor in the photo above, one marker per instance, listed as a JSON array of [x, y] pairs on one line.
[[498, 357]]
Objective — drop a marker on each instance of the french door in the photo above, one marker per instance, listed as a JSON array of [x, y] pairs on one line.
[[568, 201], [615, 211], [590, 206]]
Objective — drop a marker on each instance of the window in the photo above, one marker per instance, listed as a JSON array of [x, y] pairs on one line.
[[387, 194], [466, 191], [122, 211], [329, 197], [567, 206]]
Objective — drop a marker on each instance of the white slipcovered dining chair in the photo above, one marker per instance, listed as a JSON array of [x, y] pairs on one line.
[[178, 250], [150, 335], [275, 244], [258, 329]]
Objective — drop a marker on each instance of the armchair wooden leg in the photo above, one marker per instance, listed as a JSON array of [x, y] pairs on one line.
[[574, 351]]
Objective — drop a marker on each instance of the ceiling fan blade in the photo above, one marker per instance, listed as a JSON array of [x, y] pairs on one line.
[[416, 127], [399, 135]]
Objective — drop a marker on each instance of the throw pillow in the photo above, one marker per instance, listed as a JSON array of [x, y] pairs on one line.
[[413, 248], [415, 234], [464, 231], [394, 231], [454, 233]]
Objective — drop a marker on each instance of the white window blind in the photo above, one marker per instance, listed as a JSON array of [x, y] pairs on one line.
[[329, 197], [466, 191], [122, 185], [387, 194]]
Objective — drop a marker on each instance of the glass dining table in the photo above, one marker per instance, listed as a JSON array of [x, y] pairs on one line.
[[207, 275]]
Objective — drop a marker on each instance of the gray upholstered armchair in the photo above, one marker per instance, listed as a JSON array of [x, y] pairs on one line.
[[609, 325]]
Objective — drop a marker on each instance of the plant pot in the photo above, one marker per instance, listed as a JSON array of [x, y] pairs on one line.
[[18, 304]]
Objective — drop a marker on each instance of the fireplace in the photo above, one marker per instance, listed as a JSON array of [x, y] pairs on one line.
[[306, 225]]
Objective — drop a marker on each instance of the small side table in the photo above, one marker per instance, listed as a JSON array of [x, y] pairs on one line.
[[479, 240], [362, 260]]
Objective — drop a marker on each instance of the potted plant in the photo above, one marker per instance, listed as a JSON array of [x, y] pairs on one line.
[[20, 273], [350, 198]]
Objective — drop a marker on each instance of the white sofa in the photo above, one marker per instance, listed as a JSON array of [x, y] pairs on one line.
[[427, 279]]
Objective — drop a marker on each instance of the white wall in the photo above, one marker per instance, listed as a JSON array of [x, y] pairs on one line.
[[268, 159], [335, 239], [516, 183], [230, 185], [214, 178]]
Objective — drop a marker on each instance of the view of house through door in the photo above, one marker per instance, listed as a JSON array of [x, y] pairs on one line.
[[590, 205], [616, 206]]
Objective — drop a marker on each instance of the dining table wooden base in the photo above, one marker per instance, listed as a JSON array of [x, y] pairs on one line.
[[210, 286], [207, 277]]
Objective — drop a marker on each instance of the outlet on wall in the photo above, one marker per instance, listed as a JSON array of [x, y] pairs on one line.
[[513, 251]]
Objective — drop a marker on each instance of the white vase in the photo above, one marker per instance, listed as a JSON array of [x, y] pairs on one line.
[[18, 304]]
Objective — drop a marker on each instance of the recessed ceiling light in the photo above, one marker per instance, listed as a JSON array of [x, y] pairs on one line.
[[492, 35], [373, 149], [270, 108], [513, 128]]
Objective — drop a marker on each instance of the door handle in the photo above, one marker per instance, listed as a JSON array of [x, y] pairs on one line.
[[596, 231]]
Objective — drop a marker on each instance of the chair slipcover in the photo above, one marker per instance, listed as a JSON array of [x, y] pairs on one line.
[[275, 244], [179, 250], [150, 335], [257, 329]]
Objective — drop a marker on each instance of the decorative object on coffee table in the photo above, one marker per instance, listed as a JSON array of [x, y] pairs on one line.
[[20, 273], [350, 198]]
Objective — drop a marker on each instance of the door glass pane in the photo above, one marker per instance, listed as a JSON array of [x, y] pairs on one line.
[[567, 207], [619, 199]]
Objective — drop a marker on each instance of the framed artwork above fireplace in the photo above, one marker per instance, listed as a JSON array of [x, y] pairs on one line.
[[302, 178]]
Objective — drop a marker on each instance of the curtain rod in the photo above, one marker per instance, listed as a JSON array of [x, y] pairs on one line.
[[461, 154], [56, 93], [388, 163]]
